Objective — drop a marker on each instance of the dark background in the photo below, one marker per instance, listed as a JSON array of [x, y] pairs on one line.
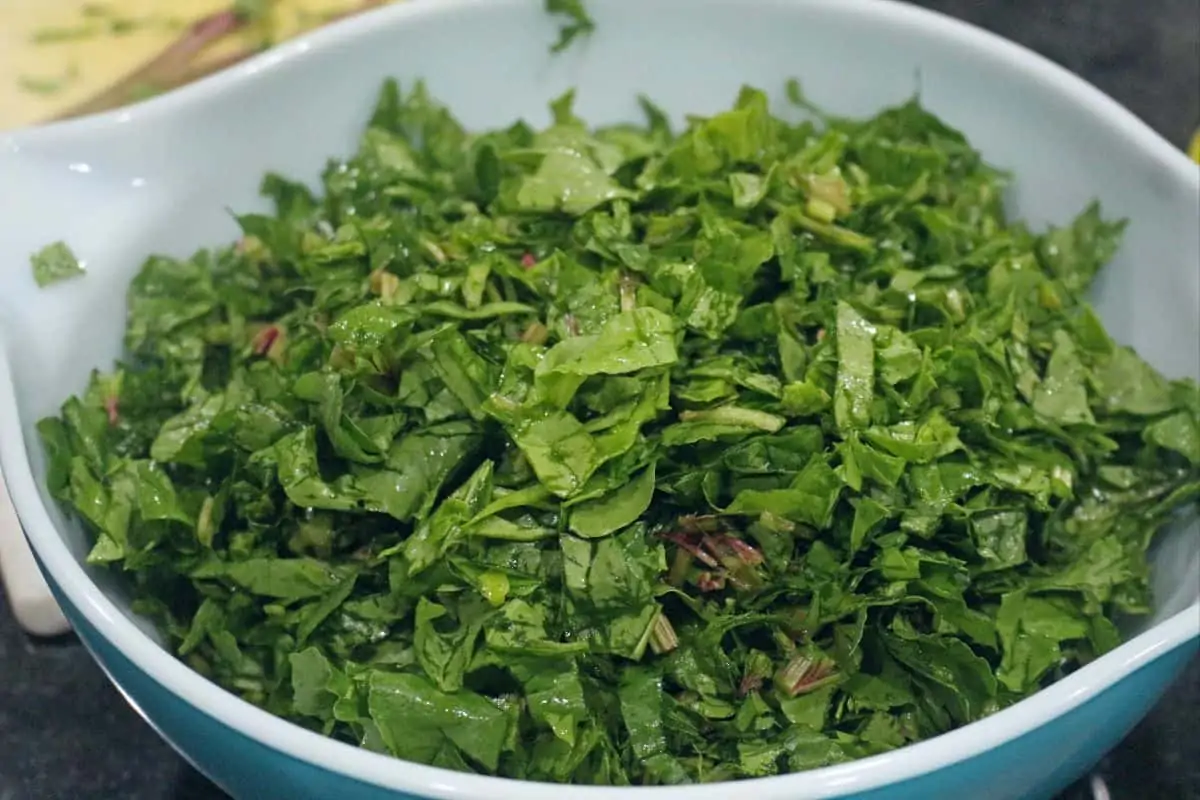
[[65, 733]]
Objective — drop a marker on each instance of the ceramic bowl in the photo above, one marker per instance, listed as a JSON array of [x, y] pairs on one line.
[[160, 176]]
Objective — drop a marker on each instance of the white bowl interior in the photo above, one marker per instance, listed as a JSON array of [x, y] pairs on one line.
[[160, 177]]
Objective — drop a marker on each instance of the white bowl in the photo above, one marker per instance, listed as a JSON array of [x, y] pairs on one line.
[[160, 176]]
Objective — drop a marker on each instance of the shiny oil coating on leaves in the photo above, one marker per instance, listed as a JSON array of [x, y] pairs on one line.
[[631, 455]]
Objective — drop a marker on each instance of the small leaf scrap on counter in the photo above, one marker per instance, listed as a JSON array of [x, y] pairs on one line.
[[628, 455]]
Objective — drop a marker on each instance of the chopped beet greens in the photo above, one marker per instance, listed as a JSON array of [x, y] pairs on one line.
[[624, 455]]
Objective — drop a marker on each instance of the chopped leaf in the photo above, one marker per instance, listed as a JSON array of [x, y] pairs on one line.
[[54, 263], [578, 22], [604, 515]]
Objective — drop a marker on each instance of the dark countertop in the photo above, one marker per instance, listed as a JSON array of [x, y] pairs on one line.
[[66, 733]]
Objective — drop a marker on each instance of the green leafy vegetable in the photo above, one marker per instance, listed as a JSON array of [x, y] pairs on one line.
[[579, 22], [628, 455], [604, 515], [54, 263]]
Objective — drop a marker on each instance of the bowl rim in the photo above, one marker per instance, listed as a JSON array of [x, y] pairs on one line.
[[291, 740]]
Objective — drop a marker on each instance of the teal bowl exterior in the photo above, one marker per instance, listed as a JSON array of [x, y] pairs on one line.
[[1032, 767]]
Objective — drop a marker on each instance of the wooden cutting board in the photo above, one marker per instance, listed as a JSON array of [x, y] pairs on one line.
[[56, 53]]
